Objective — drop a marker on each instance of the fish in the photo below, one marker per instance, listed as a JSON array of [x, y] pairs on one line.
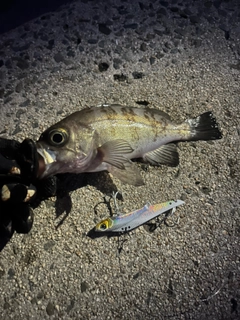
[[124, 223], [109, 137]]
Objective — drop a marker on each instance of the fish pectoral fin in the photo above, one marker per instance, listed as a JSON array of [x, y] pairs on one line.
[[165, 155], [130, 174], [113, 152]]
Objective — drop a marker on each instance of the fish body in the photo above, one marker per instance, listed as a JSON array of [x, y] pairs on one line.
[[127, 222], [108, 137]]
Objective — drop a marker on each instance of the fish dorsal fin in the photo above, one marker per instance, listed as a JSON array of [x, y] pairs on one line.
[[130, 174], [165, 155], [113, 152], [161, 113]]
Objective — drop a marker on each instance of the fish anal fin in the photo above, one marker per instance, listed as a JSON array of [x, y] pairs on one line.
[[165, 155], [113, 152], [130, 174]]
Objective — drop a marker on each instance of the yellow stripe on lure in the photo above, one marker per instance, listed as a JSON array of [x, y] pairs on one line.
[[127, 222]]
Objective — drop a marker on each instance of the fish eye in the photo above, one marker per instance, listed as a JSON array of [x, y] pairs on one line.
[[58, 137]]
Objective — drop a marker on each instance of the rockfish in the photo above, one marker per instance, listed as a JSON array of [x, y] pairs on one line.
[[108, 137]]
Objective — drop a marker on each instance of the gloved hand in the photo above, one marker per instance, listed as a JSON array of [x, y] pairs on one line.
[[19, 188]]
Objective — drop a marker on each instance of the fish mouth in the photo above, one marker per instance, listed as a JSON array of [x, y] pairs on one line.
[[45, 159], [48, 155]]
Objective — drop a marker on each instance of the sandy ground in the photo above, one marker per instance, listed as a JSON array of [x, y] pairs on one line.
[[180, 57]]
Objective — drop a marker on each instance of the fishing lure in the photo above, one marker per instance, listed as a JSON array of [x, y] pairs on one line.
[[127, 222]]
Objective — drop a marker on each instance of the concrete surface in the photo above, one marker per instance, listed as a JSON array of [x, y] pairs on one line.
[[182, 57]]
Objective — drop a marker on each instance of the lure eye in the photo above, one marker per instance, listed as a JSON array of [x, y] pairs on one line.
[[103, 226], [58, 137]]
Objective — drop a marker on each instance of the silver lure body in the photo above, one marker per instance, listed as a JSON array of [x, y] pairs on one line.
[[127, 222]]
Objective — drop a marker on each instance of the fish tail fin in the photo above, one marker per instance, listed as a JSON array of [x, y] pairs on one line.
[[204, 127]]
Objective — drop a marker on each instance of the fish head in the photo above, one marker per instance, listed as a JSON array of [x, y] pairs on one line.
[[65, 147]]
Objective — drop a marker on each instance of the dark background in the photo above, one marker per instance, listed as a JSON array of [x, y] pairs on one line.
[[16, 12]]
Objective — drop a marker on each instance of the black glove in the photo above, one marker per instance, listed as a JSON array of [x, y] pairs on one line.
[[20, 190]]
